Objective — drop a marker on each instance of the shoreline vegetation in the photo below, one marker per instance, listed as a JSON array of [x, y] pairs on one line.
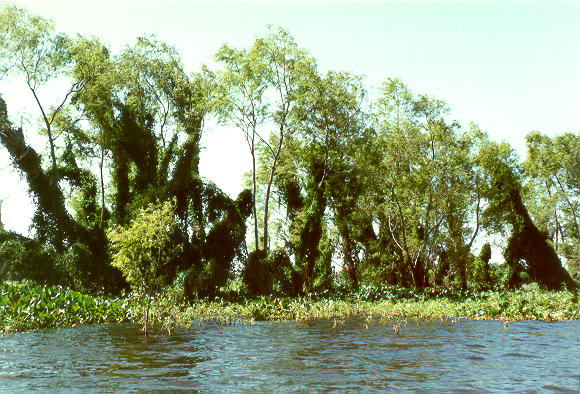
[[28, 306], [352, 200]]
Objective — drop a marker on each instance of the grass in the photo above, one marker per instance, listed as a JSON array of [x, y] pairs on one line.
[[26, 306]]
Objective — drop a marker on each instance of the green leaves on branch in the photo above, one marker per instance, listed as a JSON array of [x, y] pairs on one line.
[[142, 248]]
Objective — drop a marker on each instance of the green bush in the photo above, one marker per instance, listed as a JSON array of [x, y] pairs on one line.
[[479, 275], [271, 273], [23, 258], [256, 273]]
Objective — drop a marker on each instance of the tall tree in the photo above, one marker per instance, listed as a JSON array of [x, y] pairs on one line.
[[318, 172], [54, 224], [287, 68], [149, 115], [239, 100], [526, 245], [422, 181], [40, 55], [259, 89], [552, 191]]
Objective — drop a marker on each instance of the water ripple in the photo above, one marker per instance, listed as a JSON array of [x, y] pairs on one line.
[[465, 356]]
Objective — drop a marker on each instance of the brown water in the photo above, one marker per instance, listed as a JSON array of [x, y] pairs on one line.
[[442, 356]]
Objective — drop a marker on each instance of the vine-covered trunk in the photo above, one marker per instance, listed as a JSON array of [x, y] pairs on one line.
[[418, 273], [529, 244], [55, 223], [349, 259]]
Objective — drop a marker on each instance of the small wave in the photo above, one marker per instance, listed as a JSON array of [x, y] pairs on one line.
[[475, 358], [553, 387], [515, 354]]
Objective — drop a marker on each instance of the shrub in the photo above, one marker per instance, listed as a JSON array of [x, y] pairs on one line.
[[256, 273], [143, 248], [23, 258]]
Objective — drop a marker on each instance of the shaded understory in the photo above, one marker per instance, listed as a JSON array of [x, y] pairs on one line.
[[27, 306]]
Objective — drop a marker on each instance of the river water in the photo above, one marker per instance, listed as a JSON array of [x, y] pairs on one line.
[[352, 355]]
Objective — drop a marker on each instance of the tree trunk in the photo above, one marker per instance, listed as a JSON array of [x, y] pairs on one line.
[[146, 328], [418, 273], [101, 163], [347, 251], [256, 237], [270, 180]]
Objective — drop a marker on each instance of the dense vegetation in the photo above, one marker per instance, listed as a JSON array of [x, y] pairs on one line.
[[27, 306], [343, 192]]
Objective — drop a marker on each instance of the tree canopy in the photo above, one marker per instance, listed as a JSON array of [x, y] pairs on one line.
[[343, 190]]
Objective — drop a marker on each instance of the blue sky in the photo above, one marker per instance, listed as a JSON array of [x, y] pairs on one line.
[[511, 67]]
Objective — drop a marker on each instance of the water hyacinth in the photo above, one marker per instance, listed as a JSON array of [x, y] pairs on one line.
[[26, 306]]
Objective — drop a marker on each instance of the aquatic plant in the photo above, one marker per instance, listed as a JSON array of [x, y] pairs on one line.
[[27, 306]]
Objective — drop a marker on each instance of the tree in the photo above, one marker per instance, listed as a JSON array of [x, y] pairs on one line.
[[287, 68], [334, 147], [55, 227], [328, 121], [528, 248], [40, 55], [148, 117], [143, 121], [239, 100], [24, 258], [258, 90], [143, 248], [552, 190], [422, 180], [480, 272]]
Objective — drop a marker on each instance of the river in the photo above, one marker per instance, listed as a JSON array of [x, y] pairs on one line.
[[352, 355]]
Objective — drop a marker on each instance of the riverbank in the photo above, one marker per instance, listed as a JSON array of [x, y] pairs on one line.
[[27, 306], [523, 304]]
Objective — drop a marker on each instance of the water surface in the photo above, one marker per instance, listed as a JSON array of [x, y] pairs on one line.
[[353, 355]]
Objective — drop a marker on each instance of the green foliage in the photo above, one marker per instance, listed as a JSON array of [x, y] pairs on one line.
[[28, 306], [485, 253], [552, 191], [392, 190], [258, 90], [271, 273], [31, 45], [256, 274], [23, 258], [526, 245], [423, 187], [479, 274], [209, 258], [394, 303], [142, 248]]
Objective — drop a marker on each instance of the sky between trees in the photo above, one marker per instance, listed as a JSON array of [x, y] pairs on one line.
[[511, 67]]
